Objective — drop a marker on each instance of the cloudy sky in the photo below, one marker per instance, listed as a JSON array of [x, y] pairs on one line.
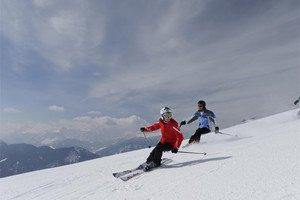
[[97, 63]]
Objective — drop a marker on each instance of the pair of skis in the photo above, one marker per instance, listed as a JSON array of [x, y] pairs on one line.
[[129, 174]]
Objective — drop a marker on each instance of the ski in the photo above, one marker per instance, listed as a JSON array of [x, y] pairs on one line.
[[128, 174], [122, 173], [118, 174], [135, 173]]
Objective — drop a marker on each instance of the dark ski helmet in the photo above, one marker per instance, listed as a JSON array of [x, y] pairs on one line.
[[201, 102]]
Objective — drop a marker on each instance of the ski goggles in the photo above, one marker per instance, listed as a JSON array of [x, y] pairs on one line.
[[167, 115]]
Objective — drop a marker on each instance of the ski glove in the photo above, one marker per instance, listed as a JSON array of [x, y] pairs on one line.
[[174, 150], [296, 102], [142, 129], [182, 123], [216, 129]]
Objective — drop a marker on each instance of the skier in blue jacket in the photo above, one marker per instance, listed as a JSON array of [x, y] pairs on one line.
[[205, 116]]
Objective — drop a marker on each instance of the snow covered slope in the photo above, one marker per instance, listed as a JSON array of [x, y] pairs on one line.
[[260, 164]]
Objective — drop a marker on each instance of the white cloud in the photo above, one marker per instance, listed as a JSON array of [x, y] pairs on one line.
[[11, 110], [84, 128], [177, 52], [96, 74], [94, 113], [164, 34], [43, 3], [56, 108], [67, 34], [175, 64]]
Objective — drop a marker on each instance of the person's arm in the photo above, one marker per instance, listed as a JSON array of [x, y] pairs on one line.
[[212, 118], [152, 127], [193, 118], [179, 136], [190, 120]]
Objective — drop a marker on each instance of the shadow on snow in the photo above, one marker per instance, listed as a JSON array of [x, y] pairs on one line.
[[194, 162]]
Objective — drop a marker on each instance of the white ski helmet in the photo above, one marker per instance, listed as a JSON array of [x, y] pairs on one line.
[[165, 110]]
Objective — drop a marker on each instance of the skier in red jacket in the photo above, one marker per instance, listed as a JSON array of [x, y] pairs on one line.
[[171, 137]]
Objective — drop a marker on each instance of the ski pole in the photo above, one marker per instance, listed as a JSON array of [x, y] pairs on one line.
[[147, 141], [191, 152], [227, 134]]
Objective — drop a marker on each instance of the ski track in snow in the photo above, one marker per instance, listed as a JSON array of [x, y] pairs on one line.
[[259, 164]]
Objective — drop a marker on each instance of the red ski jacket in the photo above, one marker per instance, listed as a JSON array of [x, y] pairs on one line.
[[170, 132]]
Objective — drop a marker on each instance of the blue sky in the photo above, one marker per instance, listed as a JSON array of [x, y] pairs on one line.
[[65, 59]]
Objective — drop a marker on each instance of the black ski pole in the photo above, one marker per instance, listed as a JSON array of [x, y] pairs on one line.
[[147, 141], [227, 134], [191, 152]]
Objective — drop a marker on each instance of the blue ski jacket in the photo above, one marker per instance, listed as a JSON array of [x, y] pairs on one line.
[[204, 117]]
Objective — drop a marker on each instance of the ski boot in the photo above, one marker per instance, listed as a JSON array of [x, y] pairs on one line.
[[149, 166]]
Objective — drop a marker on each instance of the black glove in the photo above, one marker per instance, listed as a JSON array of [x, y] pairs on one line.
[[174, 150], [217, 129], [142, 129], [297, 101], [182, 123]]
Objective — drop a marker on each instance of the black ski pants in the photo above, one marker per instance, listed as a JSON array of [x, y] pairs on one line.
[[197, 135], [156, 153]]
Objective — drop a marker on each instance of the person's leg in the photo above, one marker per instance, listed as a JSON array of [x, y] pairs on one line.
[[199, 132], [202, 131], [193, 137], [151, 156], [196, 136], [157, 154], [191, 140]]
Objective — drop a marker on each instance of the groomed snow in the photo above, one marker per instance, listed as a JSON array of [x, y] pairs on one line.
[[263, 163]]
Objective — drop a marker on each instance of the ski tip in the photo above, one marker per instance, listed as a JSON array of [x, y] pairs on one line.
[[124, 179]]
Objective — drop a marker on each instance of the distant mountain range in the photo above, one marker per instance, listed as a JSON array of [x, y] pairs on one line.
[[21, 158], [55, 140]]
